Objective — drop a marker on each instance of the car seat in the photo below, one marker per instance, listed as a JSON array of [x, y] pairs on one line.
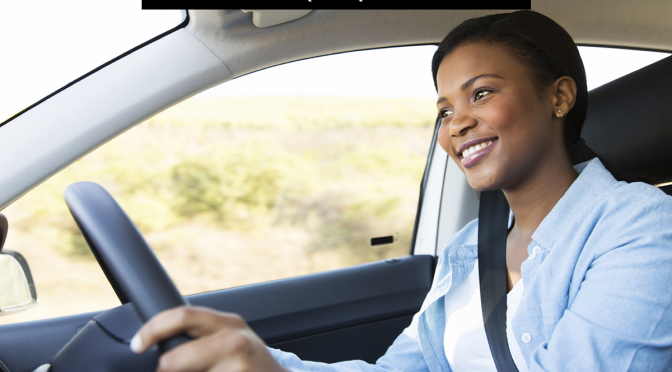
[[629, 124]]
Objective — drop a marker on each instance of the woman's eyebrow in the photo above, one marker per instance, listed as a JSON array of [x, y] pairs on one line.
[[471, 81]]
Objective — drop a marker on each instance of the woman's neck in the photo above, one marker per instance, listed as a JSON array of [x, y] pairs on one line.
[[534, 198]]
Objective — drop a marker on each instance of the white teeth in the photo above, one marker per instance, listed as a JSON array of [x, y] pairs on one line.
[[475, 148]]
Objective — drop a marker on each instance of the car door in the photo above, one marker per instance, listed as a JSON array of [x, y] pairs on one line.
[[350, 313], [354, 312]]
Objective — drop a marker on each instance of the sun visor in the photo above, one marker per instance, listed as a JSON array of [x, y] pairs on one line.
[[271, 17]]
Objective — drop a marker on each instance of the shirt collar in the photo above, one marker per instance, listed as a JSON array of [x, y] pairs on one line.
[[578, 200]]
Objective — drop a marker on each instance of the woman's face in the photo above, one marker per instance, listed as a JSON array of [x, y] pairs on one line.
[[495, 125]]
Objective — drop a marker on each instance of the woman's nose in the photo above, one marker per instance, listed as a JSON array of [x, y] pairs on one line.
[[462, 123]]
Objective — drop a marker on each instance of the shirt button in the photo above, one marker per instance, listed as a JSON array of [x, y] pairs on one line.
[[536, 249], [526, 338]]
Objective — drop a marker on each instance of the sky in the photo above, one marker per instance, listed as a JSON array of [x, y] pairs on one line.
[[47, 44]]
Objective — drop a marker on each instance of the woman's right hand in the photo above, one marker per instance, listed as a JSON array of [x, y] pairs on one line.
[[222, 342]]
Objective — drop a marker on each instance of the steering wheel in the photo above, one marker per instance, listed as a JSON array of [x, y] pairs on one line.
[[128, 262]]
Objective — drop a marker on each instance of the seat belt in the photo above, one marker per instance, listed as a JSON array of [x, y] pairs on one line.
[[493, 218]]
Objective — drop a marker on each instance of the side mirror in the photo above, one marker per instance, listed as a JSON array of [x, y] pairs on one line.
[[17, 289]]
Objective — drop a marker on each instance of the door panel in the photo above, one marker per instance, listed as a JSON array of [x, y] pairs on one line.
[[351, 313], [366, 342]]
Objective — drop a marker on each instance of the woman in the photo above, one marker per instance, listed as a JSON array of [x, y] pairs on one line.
[[593, 254]]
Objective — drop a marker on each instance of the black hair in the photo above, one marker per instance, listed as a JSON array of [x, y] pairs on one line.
[[537, 42]]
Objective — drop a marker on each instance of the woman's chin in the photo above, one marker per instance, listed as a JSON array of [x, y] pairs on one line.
[[482, 185], [484, 188]]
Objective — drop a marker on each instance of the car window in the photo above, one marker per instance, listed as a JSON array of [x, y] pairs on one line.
[[48, 44], [605, 64], [300, 168]]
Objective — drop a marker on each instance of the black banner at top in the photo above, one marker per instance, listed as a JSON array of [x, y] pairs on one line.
[[336, 4]]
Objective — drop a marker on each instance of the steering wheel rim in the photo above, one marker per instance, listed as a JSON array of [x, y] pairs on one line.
[[123, 254]]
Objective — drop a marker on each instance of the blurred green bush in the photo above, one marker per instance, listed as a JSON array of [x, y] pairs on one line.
[[345, 170]]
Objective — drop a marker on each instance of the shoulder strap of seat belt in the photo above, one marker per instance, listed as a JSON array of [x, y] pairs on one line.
[[493, 218]]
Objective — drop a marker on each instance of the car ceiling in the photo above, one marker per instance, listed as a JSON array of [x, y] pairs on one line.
[[244, 48]]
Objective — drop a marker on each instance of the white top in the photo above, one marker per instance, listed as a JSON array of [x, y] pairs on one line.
[[464, 340]]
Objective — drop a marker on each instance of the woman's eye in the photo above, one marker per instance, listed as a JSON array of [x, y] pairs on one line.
[[481, 94], [445, 113]]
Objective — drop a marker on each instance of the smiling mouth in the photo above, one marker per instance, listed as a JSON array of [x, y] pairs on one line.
[[473, 154]]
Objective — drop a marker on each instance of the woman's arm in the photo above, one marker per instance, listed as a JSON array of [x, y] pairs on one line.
[[224, 342], [621, 317]]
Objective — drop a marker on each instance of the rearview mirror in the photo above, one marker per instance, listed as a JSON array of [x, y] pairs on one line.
[[17, 289]]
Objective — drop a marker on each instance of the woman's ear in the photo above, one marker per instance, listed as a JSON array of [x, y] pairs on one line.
[[564, 95]]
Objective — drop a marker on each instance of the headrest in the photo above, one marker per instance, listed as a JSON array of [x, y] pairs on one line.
[[629, 122]]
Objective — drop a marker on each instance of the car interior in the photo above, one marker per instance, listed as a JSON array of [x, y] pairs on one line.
[[345, 314]]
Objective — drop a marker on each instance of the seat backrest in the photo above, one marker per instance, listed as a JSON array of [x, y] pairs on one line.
[[629, 122]]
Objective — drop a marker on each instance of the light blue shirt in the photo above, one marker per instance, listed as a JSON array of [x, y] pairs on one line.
[[598, 287]]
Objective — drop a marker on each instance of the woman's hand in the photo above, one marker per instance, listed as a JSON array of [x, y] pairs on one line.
[[222, 342]]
